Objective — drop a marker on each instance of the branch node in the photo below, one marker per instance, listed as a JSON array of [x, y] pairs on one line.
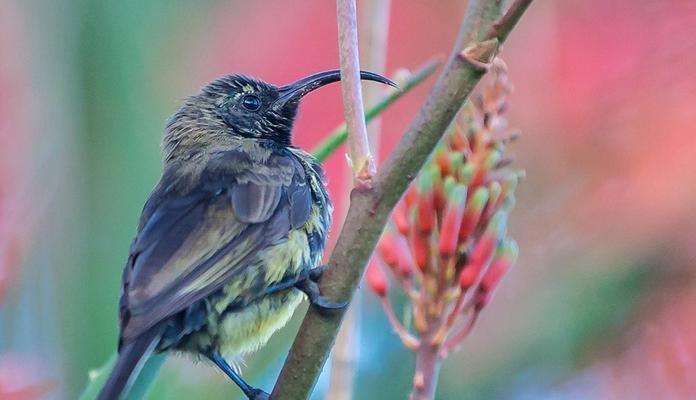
[[480, 54], [363, 179], [419, 380]]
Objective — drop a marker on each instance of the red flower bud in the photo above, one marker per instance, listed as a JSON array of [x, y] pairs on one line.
[[442, 161], [505, 257], [420, 246], [410, 197], [400, 220], [477, 178], [451, 222], [376, 279], [460, 142], [483, 250], [439, 198], [493, 274], [472, 213], [494, 200], [468, 276], [489, 240], [479, 259], [486, 166], [425, 213], [387, 250], [405, 260]]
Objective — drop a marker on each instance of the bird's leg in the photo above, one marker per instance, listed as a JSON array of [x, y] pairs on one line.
[[310, 287], [251, 392], [307, 282], [316, 272], [283, 285]]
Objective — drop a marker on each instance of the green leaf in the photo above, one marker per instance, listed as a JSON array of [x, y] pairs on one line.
[[324, 149], [140, 387]]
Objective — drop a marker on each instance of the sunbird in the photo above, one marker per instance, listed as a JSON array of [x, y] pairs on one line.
[[232, 235]]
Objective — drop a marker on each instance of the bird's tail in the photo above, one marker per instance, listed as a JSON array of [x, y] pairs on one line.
[[131, 357]]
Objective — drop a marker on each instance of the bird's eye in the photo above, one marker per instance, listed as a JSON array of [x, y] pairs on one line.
[[251, 103]]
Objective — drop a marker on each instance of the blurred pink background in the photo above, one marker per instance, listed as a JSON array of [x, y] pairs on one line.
[[601, 303]]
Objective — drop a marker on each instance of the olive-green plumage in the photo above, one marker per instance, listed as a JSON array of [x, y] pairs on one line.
[[230, 233]]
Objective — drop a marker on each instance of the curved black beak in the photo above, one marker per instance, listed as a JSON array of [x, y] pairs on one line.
[[296, 90]]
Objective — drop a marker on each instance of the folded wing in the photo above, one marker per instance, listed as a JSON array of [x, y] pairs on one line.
[[193, 240]]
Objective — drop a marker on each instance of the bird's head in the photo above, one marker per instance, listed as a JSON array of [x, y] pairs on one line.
[[239, 106]]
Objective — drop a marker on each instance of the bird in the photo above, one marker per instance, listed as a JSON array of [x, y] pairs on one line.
[[230, 240]]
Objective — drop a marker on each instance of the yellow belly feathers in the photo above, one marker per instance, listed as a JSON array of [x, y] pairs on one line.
[[244, 331]]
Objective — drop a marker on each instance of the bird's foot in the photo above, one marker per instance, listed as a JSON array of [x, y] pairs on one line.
[[307, 282], [257, 394], [315, 273], [250, 392], [281, 286], [310, 287]]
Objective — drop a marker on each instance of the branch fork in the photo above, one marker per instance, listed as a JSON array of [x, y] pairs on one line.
[[480, 54]]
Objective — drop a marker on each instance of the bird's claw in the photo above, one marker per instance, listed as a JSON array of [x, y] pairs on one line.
[[258, 394], [311, 289], [308, 283], [316, 272]]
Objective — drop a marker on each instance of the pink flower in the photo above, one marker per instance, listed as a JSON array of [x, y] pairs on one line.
[[449, 247]]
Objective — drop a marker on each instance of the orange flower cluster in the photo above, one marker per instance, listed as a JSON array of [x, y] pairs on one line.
[[448, 248]]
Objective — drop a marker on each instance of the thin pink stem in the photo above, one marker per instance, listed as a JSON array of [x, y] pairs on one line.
[[358, 144], [456, 339], [451, 319], [409, 340], [373, 46], [427, 370]]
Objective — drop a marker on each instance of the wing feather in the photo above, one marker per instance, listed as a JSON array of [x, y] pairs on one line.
[[193, 241], [253, 203]]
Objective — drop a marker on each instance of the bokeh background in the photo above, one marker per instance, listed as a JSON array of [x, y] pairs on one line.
[[602, 304]]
